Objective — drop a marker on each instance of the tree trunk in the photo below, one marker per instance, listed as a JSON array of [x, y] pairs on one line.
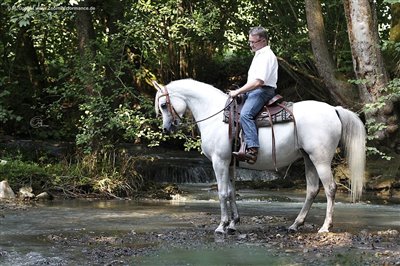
[[27, 74], [26, 65], [368, 62], [85, 34], [113, 11], [342, 91], [85, 30]]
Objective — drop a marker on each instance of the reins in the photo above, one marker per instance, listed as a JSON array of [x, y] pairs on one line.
[[223, 109]]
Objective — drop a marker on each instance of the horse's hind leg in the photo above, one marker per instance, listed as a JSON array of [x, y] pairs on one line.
[[312, 191], [330, 187]]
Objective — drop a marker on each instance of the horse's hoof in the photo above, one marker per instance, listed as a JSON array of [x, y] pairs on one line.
[[231, 231], [292, 229], [323, 230], [220, 230]]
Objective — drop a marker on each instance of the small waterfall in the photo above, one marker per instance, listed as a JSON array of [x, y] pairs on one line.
[[188, 167], [177, 169], [177, 173]]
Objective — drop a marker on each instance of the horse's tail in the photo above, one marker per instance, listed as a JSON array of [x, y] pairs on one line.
[[353, 138]]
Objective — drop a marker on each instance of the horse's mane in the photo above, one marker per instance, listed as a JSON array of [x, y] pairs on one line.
[[191, 83]]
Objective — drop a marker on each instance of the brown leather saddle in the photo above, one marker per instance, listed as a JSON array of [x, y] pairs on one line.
[[275, 111]]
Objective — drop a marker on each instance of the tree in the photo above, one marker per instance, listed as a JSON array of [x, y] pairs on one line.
[[368, 62], [342, 91]]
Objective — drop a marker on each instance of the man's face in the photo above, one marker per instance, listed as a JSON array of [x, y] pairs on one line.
[[256, 43]]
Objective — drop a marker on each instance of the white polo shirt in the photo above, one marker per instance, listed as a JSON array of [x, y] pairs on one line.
[[264, 67]]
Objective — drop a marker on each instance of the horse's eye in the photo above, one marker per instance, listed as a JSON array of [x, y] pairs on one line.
[[163, 105]]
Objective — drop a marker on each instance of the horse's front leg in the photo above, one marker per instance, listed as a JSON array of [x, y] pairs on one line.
[[235, 218], [221, 169]]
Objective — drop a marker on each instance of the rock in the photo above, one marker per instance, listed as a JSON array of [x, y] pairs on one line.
[[6, 191], [242, 236], [44, 196], [389, 232], [26, 193], [396, 193]]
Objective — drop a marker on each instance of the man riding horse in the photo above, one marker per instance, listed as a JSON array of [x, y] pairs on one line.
[[259, 89]]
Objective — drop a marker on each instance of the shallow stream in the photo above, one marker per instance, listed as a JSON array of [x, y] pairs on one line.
[[63, 232]]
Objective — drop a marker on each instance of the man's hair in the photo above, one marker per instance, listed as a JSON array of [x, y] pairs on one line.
[[260, 32]]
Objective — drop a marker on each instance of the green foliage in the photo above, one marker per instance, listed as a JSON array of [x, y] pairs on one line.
[[5, 114], [392, 1], [25, 173], [112, 174], [136, 126], [191, 142], [170, 39], [389, 93]]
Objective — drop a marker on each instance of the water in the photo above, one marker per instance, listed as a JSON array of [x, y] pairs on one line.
[[27, 237], [229, 256]]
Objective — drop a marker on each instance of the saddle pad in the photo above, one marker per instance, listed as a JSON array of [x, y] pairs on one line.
[[279, 114]]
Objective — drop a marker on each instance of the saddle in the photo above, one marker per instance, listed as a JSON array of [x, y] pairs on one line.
[[275, 111]]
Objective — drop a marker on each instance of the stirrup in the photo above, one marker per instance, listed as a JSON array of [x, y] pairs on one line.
[[250, 156]]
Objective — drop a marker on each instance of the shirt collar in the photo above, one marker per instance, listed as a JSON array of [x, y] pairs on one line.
[[262, 49]]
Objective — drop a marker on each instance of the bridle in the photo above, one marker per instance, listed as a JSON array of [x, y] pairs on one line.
[[174, 113], [171, 109]]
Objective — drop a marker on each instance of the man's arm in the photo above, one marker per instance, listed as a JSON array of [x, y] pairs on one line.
[[247, 87]]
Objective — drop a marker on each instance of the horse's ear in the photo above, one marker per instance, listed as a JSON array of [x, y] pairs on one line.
[[157, 86]]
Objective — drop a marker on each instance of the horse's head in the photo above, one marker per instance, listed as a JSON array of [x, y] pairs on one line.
[[172, 107]]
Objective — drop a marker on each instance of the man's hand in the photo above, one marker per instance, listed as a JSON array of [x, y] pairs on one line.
[[234, 93]]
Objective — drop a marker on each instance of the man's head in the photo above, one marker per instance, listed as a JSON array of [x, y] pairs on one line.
[[258, 38]]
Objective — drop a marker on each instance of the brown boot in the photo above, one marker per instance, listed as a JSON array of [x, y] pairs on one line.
[[251, 155]]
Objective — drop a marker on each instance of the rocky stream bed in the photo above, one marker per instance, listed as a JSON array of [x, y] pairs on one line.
[[187, 237]]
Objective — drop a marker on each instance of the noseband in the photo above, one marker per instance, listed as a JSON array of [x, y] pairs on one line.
[[171, 109]]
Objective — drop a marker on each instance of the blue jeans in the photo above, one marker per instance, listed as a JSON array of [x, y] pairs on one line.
[[254, 101]]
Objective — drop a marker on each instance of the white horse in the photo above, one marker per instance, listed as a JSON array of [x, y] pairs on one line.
[[319, 128]]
